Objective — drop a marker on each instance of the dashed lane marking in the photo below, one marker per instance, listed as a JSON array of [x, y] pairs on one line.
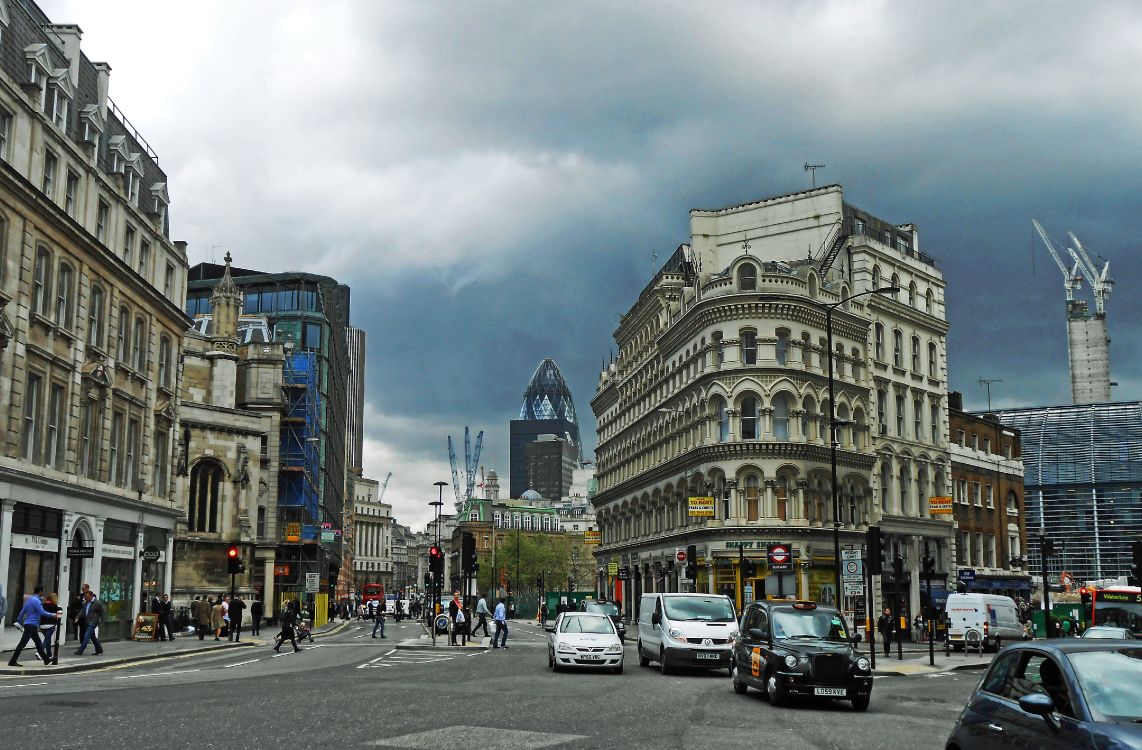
[[156, 674], [241, 663], [26, 684]]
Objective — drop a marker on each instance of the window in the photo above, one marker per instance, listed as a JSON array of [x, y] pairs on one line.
[[115, 451], [165, 362], [121, 342], [168, 281], [974, 442], [56, 435], [931, 359], [752, 496], [749, 347], [1012, 503], [876, 277], [95, 317], [131, 185], [55, 106], [5, 133], [202, 509], [89, 439], [928, 302], [312, 336], [882, 408], [749, 418], [723, 419], [42, 281], [987, 445], [129, 245], [747, 277], [30, 434], [989, 554], [900, 415], [935, 423], [781, 348], [918, 418], [51, 164], [912, 294], [976, 494], [916, 354], [781, 417], [64, 294], [879, 342], [70, 188], [101, 221], [527, 523], [139, 346], [962, 491], [897, 348], [145, 260], [961, 438], [988, 498]]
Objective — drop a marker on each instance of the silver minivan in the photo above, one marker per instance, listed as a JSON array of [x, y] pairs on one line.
[[686, 630]]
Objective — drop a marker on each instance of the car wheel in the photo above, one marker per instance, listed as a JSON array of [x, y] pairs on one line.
[[642, 660], [551, 661], [998, 644], [860, 702], [619, 668], [739, 687], [662, 665], [775, 690]]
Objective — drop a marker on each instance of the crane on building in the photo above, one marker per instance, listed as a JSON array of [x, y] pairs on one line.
[[1101, 282], [384, 486], [1072, 279], [471, 463]]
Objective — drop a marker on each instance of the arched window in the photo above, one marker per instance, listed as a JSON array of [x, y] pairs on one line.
[[122, 333], [165, 362], [781, 417], [935, 424], [858, 428], [95, 316], [65, 292], [932, 359], [905, 491], [261, 527], [749, 347], [922, 492], [843, 429], [808, 424], [912, 294], [138, 345], [928, 302], [896, 283], [882, 409], [886, 484], [719, 348], [752, 496], [876, 277], [749, 418], [879, 342], [782, 497], [719, 408], [916, 354], [42, 281], [897, 348], [747, 277], [781, 348], [205, 499], [814, 288], [918, 419]]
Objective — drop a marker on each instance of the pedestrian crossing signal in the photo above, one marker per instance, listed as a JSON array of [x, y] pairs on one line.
[[234, 564]]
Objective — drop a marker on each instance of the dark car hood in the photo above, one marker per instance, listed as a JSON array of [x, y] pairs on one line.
[[809, 646], [1118, 736]]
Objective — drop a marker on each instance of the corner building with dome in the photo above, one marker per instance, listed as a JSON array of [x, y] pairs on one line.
[[720, 390]]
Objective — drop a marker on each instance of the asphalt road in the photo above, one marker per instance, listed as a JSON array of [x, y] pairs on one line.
[[354, 691]]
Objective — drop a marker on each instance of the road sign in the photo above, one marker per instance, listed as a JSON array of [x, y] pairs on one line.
[[312, 582], [853, 570], [850, 554], [780, 557], [854, 588], [680, 555], [624, 573], [967, 575]]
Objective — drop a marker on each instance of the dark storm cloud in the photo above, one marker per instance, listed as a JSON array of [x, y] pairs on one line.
[[493, 179]]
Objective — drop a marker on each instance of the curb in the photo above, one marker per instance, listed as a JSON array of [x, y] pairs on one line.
[[92, 666]]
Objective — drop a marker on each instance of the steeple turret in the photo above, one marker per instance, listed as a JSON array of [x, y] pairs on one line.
[[225, 305]]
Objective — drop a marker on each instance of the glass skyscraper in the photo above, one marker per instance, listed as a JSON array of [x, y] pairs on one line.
[[547, 410]]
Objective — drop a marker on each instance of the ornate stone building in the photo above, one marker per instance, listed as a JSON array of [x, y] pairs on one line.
[[226, 484], [91, 295], [720, 391]]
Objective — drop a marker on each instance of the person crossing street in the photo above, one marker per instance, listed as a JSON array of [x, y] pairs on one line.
[[501, 619], [482, 613], [30, 617], [886, 626]]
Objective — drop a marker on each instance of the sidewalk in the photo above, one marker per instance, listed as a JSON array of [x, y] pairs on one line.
[[424, 642], [916, 663], [117, 653]]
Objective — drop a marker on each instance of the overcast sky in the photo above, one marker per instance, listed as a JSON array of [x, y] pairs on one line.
[[493, 179]]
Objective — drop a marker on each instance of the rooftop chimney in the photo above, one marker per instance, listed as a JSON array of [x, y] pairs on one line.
[[67, 36], [102, 78]]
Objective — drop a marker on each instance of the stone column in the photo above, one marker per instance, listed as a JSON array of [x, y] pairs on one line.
[[64, 591], [769, 500], [731, 415], [799, 504], [138, 577], [97, 559], [795, 431], [168, 560], [268, 590], [7, 508]]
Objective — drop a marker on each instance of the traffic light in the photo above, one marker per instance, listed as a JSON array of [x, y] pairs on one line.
[[749, 568], [929, 566], [898, 567], [877, 550], [233, 561], [692, 562], [1085, 596], [427, 580], [1135, 577], [435, 560], [468, 553]]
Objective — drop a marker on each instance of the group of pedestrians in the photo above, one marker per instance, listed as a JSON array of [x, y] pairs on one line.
[[41, 615], [225, 616]]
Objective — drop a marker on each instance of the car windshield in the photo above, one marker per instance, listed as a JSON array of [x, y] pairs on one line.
[[603, 608], [705, 609], [1111, 680], [573, 624], [813, 623], [1106, 633]]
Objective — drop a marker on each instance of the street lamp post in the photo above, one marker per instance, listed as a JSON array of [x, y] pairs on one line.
[[437, 578], [833, 425]]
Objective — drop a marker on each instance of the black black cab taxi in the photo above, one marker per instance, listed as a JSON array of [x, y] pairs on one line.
[[799, 648]]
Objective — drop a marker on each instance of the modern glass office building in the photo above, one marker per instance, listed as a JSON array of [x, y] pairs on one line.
[[1083, 484], [547, 410]]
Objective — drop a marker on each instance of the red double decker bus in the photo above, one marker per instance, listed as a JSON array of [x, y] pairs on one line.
[[371, 591], [1116, 606]]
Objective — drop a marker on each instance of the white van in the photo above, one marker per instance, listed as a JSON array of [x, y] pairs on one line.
[[691, 630], [994, 618]]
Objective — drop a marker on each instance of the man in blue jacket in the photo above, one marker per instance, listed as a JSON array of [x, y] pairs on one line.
[[30, 617]]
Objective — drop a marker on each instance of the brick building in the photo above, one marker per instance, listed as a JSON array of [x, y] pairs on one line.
[[987, 492]]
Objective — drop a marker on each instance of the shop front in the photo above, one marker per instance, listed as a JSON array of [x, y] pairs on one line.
[[33, 558]]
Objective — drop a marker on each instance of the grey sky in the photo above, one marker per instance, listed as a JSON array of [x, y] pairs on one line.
[[493, 178]]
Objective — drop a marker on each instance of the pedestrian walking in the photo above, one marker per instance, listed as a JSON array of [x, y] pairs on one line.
[[30, 617], [886, 626], [93, 614], [288, 619], [217, 612], [918, 628], [166, 618], [378, 612], [256, 612], [237, 608], [543, 614], [482, 613], [48, 628], [77, 610], [459, 621], [200, 611], [500, 618]]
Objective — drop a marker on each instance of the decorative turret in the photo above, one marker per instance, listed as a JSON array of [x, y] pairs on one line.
[[225, 305]]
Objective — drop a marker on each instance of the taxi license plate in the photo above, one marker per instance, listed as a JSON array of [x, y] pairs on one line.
[[591, 657], [838, 692], [709, 655]]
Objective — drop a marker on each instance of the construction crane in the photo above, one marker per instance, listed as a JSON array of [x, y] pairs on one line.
[[471, 463], [384, 486], [1072, 279], [1102, 284]]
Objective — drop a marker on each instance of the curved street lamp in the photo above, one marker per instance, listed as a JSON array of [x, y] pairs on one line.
[[833, 425]]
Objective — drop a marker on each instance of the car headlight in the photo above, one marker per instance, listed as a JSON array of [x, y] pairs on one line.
[[615, 649], [676, 634], [862, 664], [791, 661], [565, 649]]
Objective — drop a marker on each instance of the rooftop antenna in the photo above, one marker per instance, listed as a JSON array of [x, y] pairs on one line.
[[812, 169], [986, 382]]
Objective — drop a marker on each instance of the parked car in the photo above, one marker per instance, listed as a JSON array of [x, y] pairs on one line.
[[693, 630], [608, 608], [584, 639], [1057, 694], [1108, 631], [994, 618], [800, 648]]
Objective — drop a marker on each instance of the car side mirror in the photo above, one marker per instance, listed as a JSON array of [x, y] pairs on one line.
[[656, 618], [1038, 704], [550, 628], [857, 638], [755, 634]]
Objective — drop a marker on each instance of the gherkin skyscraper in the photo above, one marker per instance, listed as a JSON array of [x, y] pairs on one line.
[[547, 410]]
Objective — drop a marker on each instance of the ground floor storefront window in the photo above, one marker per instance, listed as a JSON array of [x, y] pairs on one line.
[[116, 589], [26, 570]]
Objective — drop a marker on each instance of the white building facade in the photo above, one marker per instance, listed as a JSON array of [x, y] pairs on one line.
[[372, 535]]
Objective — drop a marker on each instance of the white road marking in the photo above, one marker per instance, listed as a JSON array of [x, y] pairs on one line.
[[390, 652], [371, 662], [26, 684], [239, 664], [156, 674]]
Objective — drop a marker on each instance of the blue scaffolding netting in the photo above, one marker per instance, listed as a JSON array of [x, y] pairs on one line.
[[298, 493]]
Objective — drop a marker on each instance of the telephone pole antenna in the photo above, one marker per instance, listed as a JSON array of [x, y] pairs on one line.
[[812, 169], [986, 382]]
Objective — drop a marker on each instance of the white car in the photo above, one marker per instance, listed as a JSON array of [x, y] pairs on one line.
[[584, 639]]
